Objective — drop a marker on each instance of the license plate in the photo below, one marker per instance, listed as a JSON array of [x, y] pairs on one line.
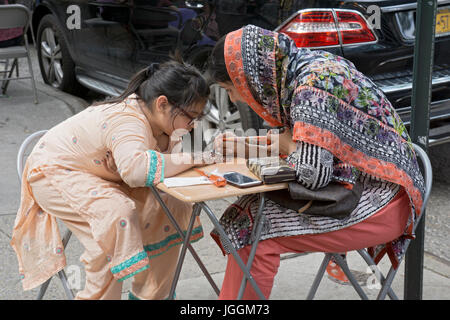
[[443, 22]]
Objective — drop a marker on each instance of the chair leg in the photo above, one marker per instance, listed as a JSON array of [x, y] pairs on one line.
[[319, 276], [43, 289], [33, 83], [65, 284], [387, 284], [61, 274], [67, 290], [7, 74], [365, 255], [341, 262], [66, 238]]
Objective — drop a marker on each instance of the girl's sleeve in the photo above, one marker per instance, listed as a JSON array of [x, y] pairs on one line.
[[132, 146]]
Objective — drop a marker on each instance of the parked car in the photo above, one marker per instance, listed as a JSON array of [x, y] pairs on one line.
[[116, 38]]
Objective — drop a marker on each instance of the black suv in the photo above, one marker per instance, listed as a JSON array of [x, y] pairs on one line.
[[99, 44]]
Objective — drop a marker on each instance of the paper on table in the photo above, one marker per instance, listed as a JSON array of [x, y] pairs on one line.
[[183, 182]]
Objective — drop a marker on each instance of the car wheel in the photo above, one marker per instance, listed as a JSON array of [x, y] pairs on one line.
[[55, 62], [224, 115], [227, 116]]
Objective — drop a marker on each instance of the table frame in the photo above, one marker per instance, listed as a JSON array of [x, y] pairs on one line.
[[198, 207]]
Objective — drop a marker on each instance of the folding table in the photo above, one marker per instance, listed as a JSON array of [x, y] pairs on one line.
[[198, 195]]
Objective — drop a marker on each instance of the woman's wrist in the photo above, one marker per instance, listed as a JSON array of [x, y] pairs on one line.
[[292, 147]]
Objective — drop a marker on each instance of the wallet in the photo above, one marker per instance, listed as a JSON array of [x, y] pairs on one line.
[[271, 169]]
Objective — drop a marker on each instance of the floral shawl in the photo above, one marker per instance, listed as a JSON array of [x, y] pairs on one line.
[[325, 101]]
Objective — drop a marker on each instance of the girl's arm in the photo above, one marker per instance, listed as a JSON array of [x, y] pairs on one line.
[[133, 152], [176, 163]]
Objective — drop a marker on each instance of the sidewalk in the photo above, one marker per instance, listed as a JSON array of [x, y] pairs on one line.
[[19, 117]]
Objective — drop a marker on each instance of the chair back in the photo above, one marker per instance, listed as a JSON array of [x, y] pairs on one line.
[[427, 175], [21, 155], [14, 16]]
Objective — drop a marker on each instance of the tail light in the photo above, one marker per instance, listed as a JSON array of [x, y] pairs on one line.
[[324, 28]]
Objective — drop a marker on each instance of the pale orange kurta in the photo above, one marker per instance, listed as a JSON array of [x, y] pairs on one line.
[[98, 162]]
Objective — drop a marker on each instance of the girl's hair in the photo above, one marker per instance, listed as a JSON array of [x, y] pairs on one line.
[[217, 69], [181, 83]]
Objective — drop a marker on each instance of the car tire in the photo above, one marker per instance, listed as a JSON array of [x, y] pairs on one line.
[[247, 117], [56, 64]]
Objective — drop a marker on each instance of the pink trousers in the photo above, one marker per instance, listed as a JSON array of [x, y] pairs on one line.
[[386, 225]]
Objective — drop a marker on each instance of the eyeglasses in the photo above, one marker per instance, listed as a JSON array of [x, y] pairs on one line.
[[192, 119]]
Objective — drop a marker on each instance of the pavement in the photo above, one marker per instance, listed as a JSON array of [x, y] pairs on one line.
[[19, 117]]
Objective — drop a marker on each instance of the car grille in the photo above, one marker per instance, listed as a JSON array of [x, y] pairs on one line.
[[403, 80]]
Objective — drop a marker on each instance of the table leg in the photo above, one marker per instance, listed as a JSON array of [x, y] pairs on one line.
[[256, 234], [189, 247], [233, 251], [187, 237]]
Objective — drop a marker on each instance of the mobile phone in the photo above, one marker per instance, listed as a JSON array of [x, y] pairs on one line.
[[239, 180]]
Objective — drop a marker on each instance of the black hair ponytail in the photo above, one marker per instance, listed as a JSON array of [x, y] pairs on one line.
[[151, 69]]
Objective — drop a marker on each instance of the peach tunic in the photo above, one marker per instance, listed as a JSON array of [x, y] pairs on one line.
[[98, 162]]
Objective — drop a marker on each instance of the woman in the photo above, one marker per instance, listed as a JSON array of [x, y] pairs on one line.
[[92, 172], [338, 126]]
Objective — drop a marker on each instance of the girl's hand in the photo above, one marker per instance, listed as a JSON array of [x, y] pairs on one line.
[[109, 163]]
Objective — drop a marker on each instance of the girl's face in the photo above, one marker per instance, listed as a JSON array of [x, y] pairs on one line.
[[233, 93], [171, 118]]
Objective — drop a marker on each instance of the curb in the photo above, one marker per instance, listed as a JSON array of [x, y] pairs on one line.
[[73, 103]]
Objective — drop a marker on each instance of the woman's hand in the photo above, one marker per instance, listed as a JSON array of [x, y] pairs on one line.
[[225, 148], [282, 142]]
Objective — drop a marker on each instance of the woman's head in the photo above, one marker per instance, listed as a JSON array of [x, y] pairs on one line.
[[218, 72], [246, 63], [174, 92]]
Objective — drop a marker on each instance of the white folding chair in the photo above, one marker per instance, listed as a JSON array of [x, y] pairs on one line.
[[385, 282], [21, 158], [16, 16]]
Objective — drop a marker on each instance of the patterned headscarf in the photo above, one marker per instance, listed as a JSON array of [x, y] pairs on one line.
[[325, 101]]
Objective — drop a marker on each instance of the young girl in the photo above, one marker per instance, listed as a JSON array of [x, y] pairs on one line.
[[91, 171], [338, 127]]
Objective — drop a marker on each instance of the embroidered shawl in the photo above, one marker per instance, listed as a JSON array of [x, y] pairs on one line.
[[327, 102]]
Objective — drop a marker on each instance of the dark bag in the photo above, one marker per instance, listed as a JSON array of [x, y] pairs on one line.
[[334, 200]]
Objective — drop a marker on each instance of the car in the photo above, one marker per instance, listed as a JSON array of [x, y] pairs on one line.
[[100, 44]]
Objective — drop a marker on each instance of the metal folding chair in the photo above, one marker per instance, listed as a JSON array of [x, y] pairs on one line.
[[386, 282], [21, 158], [16, 16]]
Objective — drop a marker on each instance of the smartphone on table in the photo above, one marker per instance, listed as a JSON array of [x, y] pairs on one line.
[[239, 180]]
